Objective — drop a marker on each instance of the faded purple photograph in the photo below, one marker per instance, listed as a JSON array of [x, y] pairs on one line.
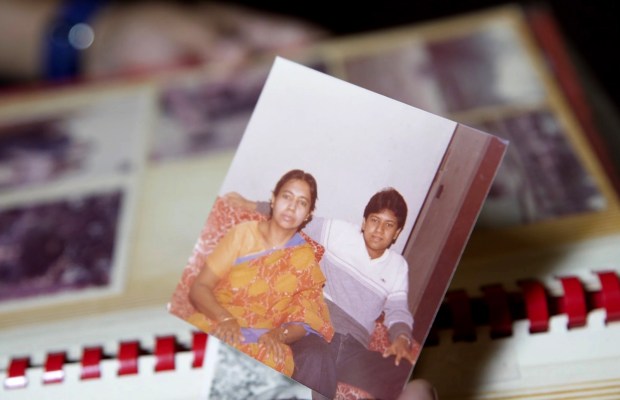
[[58, 247], [38, 152], [489, 67], [99, 138], [541, 177], [201, 117], [404, 74]]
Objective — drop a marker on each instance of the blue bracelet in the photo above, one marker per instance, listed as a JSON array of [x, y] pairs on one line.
[[68, 35]]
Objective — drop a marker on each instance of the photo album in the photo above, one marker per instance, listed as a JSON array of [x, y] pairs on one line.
[[335, 233], [427, 201]]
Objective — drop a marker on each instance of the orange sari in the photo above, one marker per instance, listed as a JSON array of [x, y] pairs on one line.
[[272, 289]]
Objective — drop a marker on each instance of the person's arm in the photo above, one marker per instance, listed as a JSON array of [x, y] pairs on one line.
[[398, 317], [237, 200], [399, 320], [203, 300], [201, 293]]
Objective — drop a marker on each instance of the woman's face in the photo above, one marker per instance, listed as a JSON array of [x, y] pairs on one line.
[[291, 206]]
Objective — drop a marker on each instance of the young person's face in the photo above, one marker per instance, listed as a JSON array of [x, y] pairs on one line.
[[380, 230], [291, 206]]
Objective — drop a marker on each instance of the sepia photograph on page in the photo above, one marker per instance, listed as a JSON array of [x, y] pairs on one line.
[[67, 197]]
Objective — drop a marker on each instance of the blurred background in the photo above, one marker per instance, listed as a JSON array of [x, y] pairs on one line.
[[589, 26], [91, 165]]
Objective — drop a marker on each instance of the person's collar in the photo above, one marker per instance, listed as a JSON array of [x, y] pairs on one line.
[[382, 257]]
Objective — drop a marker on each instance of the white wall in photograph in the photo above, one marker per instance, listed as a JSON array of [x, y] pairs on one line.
[[353, 141]]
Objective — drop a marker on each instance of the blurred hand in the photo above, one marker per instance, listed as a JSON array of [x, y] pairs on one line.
[[132, 38], [418, 389]]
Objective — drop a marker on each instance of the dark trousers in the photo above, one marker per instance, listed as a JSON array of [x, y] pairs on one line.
[[321, 365]]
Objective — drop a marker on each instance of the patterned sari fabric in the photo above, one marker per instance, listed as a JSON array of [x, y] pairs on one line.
[[272, 289], [222, 218]]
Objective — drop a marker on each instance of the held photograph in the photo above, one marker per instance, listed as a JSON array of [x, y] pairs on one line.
[[335, 233]]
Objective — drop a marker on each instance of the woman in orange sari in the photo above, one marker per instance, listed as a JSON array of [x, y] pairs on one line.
[[261, 288]]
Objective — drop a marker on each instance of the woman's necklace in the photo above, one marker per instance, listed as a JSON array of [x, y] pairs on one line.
[[269, 243]]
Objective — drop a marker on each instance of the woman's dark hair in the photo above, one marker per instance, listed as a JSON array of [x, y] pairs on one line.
[[302, 176], [388, 199]]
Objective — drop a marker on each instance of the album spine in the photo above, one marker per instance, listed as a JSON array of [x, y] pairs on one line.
[[167, 355], [498, 308], [461, 313]]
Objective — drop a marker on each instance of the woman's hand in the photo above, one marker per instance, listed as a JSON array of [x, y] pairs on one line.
[[229, 331], [273, 341]]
